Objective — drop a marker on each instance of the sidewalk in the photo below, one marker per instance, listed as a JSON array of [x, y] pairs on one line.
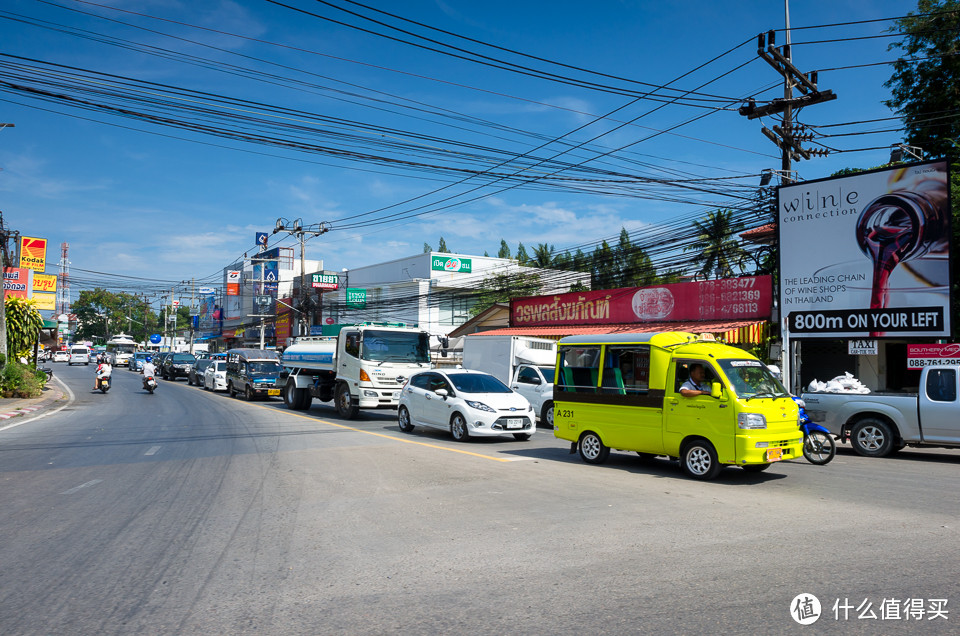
[[53, 396]]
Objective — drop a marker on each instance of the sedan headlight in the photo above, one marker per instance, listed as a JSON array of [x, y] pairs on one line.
[[751, 420], [480, 406]]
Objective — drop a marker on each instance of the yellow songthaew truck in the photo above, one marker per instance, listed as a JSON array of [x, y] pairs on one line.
[[623, 392]]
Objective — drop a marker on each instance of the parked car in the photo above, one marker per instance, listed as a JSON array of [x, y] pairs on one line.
[[195, 375], [79, 355], [61, 356], [177, 365], [215, 376], [466, 403]]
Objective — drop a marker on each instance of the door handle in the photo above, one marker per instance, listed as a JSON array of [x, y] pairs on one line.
[[673, 401]]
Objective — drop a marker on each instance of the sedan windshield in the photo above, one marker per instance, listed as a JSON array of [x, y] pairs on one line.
[[752, 379], [179, 358], [477, 383]]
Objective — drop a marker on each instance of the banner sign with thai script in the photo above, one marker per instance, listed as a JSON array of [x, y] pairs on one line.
[[926, 355], [17, 282], [451, 264], [44, 282], [325, 281], [745, 298]]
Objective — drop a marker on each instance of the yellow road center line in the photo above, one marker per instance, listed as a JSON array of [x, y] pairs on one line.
[[390, 437]]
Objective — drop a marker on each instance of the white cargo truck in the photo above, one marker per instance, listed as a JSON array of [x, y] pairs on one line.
[[364, 367], [523, 363]]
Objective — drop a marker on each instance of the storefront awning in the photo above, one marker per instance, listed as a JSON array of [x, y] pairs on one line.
[[730, 331]]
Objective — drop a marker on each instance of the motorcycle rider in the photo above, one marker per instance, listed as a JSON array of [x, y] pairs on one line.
[[147, 370], [104, 370]]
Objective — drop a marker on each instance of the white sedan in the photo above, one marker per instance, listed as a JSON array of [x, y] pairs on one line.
[[215, 376], [61, 356], [466, 403]]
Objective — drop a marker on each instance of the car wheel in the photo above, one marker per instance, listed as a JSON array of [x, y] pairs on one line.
[[755, 468], [871, 437], [458, 428], [403, 419], [592, 449], [346, 406], [230, 390], [248, 393], [699, 460], [521, 437], [546, 415]]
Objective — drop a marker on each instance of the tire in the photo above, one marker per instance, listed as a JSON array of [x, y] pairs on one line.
[[248, 393], [230, 390], [819, 448], [346, 406], [698, 459], [871, 437], [521, 437], [458, 428], [294, 398], [546, 415], [755, 468], [592, 449], [403, 420]]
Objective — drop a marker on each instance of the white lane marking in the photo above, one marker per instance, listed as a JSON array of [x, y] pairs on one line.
[[93, 482], [153, 450]]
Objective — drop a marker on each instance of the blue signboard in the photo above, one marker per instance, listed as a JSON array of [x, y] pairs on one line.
[[155, 338]]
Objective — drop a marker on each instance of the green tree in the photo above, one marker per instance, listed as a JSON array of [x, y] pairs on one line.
[[504, 251], [500, 288], [443, 246], [522, 257], [426, 248], [634, 268], [24, 323], [716, 244], [603, 268], [101, 314], [926, 78], [543, 255]]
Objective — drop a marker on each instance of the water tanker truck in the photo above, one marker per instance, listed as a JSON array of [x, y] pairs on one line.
[[364, 367]]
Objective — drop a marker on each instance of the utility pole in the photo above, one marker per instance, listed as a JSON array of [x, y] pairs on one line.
[[788, 137], [297, 228], [5, 237]]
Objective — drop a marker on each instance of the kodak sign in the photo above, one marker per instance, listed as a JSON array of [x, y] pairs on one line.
[[33, 253]]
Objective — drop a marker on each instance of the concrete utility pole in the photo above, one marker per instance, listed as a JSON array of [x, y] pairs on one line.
[[301, 231], [788, 138]]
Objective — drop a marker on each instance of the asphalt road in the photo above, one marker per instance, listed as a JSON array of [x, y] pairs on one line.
[[186, 512]]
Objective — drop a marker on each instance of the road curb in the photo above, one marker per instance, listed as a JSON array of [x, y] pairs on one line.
[[35, 405]]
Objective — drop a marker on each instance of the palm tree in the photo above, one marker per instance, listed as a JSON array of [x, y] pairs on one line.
[[716, 244], [543, 255]]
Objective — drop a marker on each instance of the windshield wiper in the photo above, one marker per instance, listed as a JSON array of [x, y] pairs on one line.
[[761, 395]]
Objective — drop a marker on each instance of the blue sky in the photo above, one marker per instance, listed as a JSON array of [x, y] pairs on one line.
[[144, 200]]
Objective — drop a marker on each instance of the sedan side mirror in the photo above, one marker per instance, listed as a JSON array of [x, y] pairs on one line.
[[442, 393]]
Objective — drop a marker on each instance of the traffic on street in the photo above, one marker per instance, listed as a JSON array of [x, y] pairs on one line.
[[188, 511]]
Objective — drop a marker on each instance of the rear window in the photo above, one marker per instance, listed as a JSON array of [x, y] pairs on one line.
[[81, 352]]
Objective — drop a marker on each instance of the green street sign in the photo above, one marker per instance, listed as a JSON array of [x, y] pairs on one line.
[[356, 298], [451, 264]]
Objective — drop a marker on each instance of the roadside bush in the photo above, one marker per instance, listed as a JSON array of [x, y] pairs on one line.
[[21, 381]]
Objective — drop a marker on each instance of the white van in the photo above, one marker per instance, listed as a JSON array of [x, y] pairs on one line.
[[79, 355]]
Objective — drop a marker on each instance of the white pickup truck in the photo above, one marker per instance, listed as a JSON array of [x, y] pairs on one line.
[[878, 424]]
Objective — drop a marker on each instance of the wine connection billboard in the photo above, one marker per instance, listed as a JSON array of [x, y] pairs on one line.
[[867, 255]]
